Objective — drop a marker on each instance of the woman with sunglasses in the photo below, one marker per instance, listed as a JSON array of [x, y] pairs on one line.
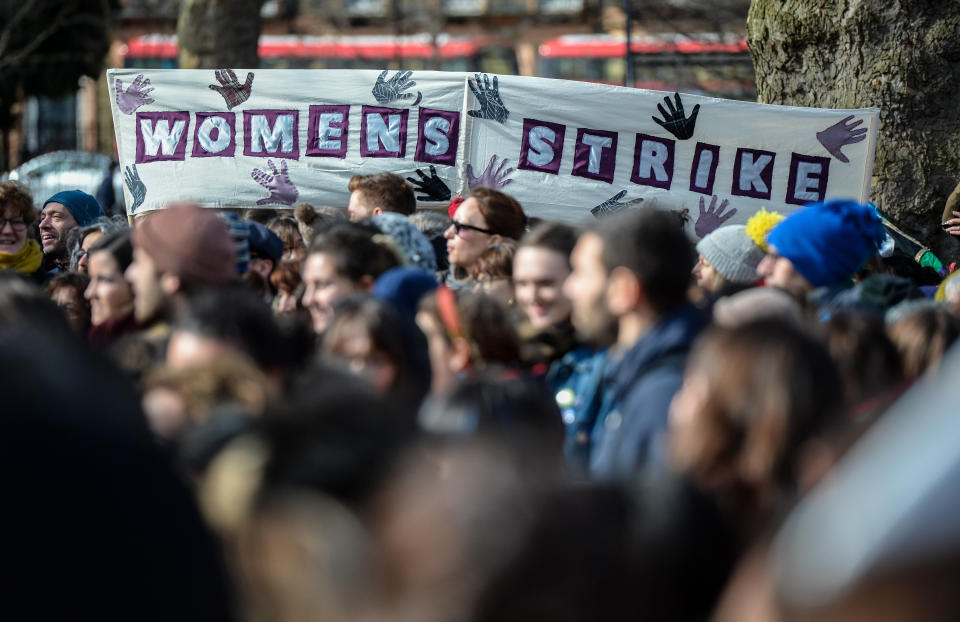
[[483, 220]]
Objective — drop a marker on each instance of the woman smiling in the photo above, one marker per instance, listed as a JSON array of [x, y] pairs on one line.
[[17, 213]]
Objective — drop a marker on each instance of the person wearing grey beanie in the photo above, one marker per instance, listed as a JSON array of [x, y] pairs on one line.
[[728, 261]]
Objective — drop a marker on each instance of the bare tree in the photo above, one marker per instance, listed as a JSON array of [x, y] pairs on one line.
[[901, 57]]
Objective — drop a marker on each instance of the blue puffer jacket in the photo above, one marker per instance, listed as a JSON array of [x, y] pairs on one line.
[[631, 422]]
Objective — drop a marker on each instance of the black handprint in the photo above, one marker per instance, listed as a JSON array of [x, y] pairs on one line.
[[281, 188], [386, 91], [613, 205], [840, 134], [137, 188], [432, 187], [230, 88], [676, 121], [491, 106]]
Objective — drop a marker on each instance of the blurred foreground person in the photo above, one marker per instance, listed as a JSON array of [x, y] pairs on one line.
[[632, 273], [96, 523], [923, 337], [752, 397]]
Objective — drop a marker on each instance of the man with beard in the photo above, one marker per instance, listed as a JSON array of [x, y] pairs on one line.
[[629, 279], [62, 212]]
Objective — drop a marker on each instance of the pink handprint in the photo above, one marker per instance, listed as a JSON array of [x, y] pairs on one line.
[[281, 188], [135, 96], [490, 178]]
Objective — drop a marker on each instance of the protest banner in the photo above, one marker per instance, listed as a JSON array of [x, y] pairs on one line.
[[568, 151]]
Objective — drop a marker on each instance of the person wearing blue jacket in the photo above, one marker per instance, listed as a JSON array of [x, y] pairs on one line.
[[632, 273]]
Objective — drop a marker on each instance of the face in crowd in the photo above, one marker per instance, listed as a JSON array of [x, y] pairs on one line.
[[83, 264], [13, 231], [55, 221], [358, 208], [779, 272], [538, 277], [324, 288], [145, 281], [109, 293], [586, 288], [469, 235]]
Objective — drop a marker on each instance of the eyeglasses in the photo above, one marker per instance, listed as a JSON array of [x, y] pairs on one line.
[[16, 224], [458, 227]]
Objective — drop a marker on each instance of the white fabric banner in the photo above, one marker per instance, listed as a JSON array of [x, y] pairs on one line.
[[568, 151]]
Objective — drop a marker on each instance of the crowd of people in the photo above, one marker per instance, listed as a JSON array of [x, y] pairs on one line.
[[371, 412]]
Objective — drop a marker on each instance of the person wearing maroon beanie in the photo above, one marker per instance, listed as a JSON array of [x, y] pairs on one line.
[[175, 251]]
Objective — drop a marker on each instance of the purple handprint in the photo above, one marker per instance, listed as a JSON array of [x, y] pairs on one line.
[[281, 188], [711, 218], [490, 178], [839, 134], [135, 96]]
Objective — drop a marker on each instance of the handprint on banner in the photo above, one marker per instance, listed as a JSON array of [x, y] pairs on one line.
[[614, 205], [490, 178], [135, 96], [230, 89], [840, 134], [711, 218], [675, 121], [137, 188], [386, 91], [281, 188], [432, 187], [488, 95]]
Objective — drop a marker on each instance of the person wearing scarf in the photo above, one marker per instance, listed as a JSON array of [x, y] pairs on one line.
[[17, 252]]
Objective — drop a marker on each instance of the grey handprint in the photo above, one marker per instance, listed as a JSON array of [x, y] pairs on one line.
[[490, 178], [281, 188], [432, 187], [491, 106], [230, 89], [842, 133], [137, 188], [135, 96], [711, 218], [613, 205], [675, 121], [386, 91]]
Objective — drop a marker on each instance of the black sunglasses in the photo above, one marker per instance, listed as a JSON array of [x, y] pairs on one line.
[[459, 226]]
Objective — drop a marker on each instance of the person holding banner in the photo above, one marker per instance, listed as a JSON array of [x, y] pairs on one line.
[[480, 222]]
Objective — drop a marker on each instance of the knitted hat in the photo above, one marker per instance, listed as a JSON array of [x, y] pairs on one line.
[[403, 287], [189, 242], [828, 242], [761, 224], [263, 242], [734, 255], [241, 236], [84, 207], [415, 247]]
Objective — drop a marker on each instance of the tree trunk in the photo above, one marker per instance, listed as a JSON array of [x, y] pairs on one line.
[[901, 56], [218, 34]]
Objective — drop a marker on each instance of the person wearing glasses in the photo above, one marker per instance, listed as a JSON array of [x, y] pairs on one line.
[[483, 220], [17, 213]]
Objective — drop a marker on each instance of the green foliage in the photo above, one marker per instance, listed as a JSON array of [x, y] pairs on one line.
[[46, 45]]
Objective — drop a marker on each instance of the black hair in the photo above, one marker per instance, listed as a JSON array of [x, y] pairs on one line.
[[235, 314], [118, 244], [354, 251], [648, 243]]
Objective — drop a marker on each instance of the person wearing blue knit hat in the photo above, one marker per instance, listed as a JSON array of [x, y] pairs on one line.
[[821, 246], [62, 212]]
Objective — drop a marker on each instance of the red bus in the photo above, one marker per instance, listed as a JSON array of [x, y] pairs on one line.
[[414, 52], [709, 64]]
